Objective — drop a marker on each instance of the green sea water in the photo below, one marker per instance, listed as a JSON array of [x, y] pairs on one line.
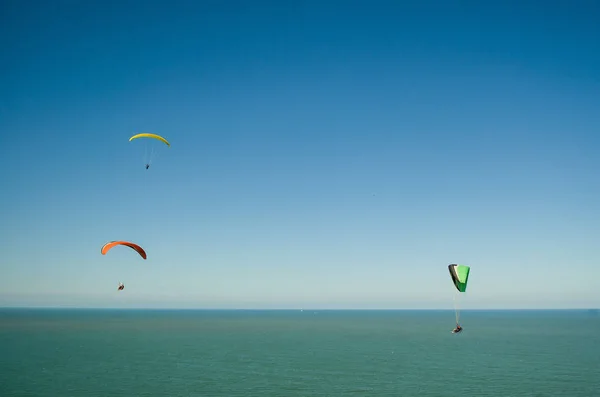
[[298, 353]]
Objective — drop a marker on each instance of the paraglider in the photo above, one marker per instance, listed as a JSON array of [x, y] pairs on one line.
[[108, 246], [460, 277], [153, 138]]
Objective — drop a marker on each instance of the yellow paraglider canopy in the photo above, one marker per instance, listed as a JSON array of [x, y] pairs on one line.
[[146, 135]]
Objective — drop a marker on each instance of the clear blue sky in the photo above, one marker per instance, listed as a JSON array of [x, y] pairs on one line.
[[324, 153]]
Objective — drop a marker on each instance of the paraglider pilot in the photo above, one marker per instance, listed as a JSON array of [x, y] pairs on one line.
[[147, 166], [121, 287], [457, 329]]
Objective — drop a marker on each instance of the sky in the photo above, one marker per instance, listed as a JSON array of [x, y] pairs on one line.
[[324, 154]]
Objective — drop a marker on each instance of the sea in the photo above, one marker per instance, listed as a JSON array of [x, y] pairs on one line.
[[101, 352]]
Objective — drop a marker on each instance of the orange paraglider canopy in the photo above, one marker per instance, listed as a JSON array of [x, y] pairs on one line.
[[106, 247]]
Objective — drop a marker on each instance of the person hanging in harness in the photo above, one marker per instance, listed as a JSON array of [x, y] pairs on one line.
[[147, 166], [457, 329], [121, 287]]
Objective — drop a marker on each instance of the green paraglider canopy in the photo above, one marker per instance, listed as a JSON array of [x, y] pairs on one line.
[[460, 276]]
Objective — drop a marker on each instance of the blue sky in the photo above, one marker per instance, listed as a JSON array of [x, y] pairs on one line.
[[324, 154]]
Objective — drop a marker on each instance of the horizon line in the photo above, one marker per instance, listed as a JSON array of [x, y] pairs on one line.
[[286, 309]]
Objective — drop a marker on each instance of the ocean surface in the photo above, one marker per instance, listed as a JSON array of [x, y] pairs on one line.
[[56, 352]]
